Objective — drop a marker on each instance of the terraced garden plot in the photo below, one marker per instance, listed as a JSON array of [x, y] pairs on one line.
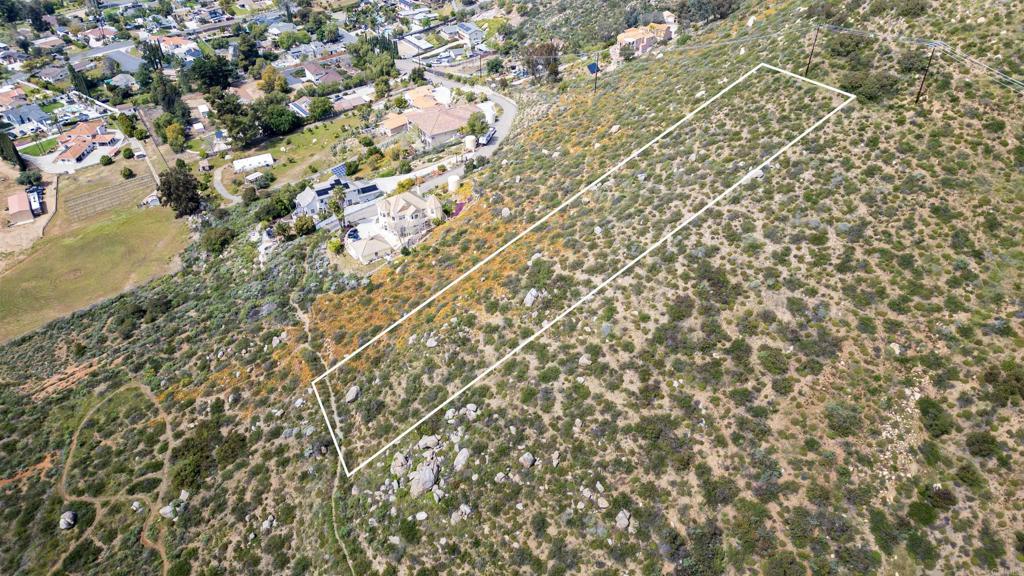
[[83, 204]]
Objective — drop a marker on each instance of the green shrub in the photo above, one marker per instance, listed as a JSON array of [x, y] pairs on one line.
[[784, 563], [936, 420], [773, 360], [991, 550], [214, 240], [872, 86], [843, 418], [922, 549], [922, 512], [106, 160], [885, 533], [982, 444]]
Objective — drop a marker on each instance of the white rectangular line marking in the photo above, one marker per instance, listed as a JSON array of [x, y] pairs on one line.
[[602, 285]]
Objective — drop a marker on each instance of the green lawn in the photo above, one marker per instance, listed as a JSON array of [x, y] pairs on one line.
[[40, 148], [86, 265], [52, 106]]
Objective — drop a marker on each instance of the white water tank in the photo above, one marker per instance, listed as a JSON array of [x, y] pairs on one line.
[[470, 142], [453, 183]]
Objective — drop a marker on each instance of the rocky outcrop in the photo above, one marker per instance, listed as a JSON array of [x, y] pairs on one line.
[[423, 478]]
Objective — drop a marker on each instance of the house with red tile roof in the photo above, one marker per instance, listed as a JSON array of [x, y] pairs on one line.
[[77, 143]]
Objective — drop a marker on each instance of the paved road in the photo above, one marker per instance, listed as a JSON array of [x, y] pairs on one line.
[[219, 186], [502, 128]]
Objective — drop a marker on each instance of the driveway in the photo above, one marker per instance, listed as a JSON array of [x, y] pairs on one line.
[[230, 198]]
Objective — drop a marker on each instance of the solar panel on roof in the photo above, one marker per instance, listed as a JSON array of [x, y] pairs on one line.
[[339, 171]]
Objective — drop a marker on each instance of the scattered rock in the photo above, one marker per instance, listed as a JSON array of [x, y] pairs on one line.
[[352, 395], [168, 512], [268, 524], [400, 464], [602, 503], [461, 459], [68, 520], [428, 442], [432, 343], [622, 520], [506, 213], [136, 506], [421, 516], [527, 460], [585, 360], [531, 298], [615, 129]]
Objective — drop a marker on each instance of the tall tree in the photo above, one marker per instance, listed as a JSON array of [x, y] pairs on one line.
[[78, 80], [542, 58], [212, 71], [9, 152], [179, 189]]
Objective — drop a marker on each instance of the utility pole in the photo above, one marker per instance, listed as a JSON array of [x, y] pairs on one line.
[[920, 90], [814, 45]]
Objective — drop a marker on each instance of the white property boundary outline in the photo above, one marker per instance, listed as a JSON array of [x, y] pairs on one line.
[[548, 324]]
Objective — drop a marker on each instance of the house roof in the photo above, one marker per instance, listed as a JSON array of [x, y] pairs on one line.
[[394, 121], [436, 121], [408, 203], [49, 42], [75, 151], [422, 97], [84, 128], [123, 80], [12, 96], [100, 32], [27, 113], [468, 28], [365, 248], [17, 203], [126, 61]]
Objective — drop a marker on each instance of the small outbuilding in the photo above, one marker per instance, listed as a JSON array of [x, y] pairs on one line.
[[253, 163], [19, 211]]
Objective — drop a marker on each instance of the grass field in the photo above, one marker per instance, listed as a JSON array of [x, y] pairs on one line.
[[86, 265], [40, 148], [51, 106]]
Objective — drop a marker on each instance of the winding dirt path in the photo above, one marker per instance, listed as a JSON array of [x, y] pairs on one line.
[[304, 317], [100, 502]]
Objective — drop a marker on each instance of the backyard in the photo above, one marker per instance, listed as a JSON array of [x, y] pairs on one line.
[[298, 155]]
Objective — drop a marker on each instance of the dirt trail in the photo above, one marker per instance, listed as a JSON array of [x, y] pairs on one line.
[[99, 502], [304, 317]]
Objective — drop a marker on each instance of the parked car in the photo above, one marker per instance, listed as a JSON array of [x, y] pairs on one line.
[[486, 138]]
